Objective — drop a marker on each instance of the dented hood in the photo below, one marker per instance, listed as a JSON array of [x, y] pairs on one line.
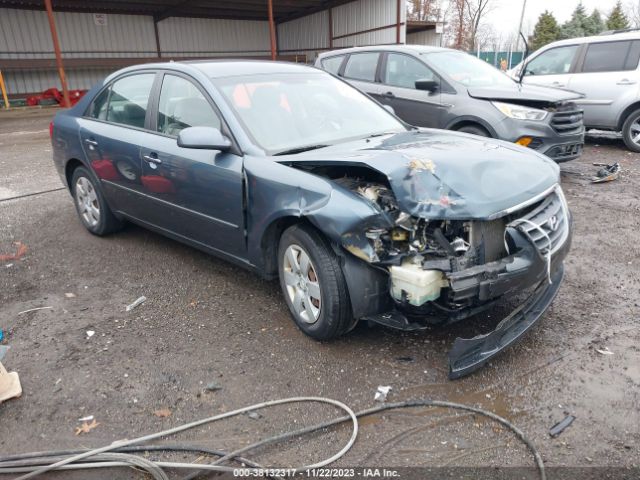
[[437, 174]]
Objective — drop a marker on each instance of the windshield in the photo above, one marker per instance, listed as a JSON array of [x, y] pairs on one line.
[[285, 112], [467, 70]]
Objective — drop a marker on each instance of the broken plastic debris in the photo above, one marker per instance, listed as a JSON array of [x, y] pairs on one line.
[[22, 249], [70, 295], [213, 386], [86, 419], [138, 302], [604, 351], [559, 427], [1, 335], [607, 173], [381, 393], [9, 382], [162, 412], [90, 333], [34, 310], [86, 427], [254, 415]]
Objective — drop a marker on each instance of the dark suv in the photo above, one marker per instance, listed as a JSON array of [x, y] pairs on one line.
[[443, 88]]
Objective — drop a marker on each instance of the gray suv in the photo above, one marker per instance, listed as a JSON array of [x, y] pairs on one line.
[[444, 88]]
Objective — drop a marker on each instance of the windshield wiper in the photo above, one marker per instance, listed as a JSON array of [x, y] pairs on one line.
[[293, 151]]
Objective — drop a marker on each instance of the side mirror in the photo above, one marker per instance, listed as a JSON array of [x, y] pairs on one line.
[[206, 138], [389, 109], [430, 86]]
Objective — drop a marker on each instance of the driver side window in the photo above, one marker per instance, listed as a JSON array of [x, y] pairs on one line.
[[556, 61], [182, 105], [403, 71]]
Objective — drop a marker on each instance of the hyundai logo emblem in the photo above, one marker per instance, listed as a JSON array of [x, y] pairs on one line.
[[553, 223]]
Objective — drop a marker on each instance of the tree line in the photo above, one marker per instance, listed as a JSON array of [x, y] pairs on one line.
[[581, 24]]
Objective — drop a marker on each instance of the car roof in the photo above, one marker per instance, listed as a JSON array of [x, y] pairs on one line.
[[222, 68], [611, 37], [388, 48]]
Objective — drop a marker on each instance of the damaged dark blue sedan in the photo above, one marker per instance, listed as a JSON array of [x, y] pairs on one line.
[[293, 173]]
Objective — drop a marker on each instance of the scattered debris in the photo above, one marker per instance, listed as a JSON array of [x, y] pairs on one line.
[[405, 359], [254, 415], [213, 386], [559, 427], [9, 382], [607, 173], [90, 333], [604, 351], [138, 302], [70, 295], [86, 427], [381, 393], [21, 250], [34, 310], [162, 413], [1, 335], [9, 265], [86, 419]]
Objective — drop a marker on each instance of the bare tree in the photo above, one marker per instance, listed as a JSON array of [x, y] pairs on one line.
[[425, 10], [633, 12], [465, 19], [476, 10]]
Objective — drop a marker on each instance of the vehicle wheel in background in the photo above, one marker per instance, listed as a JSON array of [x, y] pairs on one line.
[[92, 208], [631, 131], [474, 130], [313, 284]]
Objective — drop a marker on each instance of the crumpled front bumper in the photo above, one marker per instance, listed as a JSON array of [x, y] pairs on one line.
[[525, 269]]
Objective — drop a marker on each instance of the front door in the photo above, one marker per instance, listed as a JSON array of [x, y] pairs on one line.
[[195, 194], [400, 73], [553, 67]]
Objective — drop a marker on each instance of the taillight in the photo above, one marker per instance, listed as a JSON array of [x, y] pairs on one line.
[[51, 130]]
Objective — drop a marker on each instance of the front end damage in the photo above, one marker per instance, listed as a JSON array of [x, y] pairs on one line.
[[428, 265]]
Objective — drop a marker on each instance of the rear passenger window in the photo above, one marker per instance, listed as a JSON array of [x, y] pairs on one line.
[[362, 66], [611, 57], [129, 100], [98, 108], [182, 105], [332, 64]]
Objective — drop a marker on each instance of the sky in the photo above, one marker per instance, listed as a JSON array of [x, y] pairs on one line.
[[505, 14]]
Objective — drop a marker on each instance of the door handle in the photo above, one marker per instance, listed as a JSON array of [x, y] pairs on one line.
[[626, 81], [558, 84], [91, 142], [153, 160]]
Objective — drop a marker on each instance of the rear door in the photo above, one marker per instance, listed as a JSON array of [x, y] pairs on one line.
[[553, 67], [192, 193], [608, 75], [111, 132], [362, 70], [416, 107]]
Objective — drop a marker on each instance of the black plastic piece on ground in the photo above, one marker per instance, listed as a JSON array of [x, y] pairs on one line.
[[559, 427], [468, 355]]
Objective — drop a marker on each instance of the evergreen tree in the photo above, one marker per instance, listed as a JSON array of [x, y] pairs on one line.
[[617, 19], [546, 31], [594, 24], [575, 27]]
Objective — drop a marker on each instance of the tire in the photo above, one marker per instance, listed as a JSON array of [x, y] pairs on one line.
[[631, 129], [474, 130], [329, 316], [91, 205]]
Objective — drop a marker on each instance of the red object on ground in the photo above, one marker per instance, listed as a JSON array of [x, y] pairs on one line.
[[54, 93]]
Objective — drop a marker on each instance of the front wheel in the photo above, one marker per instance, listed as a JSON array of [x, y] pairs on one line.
[[313, 284], [631, 131], [474, 130]]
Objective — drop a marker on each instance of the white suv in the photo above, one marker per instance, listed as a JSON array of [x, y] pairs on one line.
[[605, 69]]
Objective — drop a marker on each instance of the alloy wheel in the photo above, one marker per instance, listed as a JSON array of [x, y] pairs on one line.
[[87, 200], [302, 284]]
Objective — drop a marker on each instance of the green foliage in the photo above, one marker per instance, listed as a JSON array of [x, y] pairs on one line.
[[617, 19], [546, 31], [594, 24], [575, 27]]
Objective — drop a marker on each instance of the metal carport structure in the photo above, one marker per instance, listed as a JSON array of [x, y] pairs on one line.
[[91, 38]]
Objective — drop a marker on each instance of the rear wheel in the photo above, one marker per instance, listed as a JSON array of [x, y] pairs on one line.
[[631, 131], [313, 284], [474, 130], [91, 206]]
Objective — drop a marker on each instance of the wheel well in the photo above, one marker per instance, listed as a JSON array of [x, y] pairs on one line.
[[627, 111], [271, 239], [70, 168], [470, 123]]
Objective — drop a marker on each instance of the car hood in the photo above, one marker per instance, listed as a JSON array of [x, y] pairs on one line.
[[437, 174], [524, 94]]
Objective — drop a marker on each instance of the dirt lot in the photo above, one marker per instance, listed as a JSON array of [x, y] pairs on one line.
[[207, 321]]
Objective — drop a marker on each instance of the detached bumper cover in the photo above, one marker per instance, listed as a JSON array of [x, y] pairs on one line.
[[467, 355]]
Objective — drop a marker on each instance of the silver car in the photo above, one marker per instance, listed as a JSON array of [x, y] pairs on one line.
[[605, 69]]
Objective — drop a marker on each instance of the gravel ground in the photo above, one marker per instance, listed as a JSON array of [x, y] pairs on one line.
[[207, 322]]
